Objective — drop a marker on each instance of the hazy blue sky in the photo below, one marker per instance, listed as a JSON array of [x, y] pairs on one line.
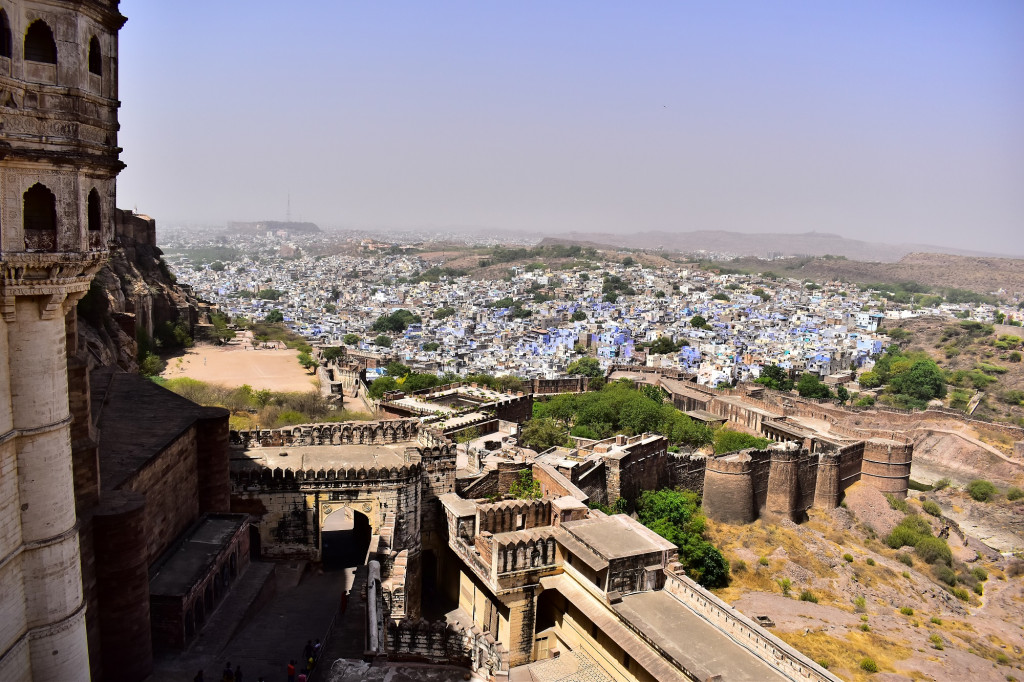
[[891, 121]]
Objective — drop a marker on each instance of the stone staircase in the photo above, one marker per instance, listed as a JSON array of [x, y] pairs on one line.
[[348, 637]]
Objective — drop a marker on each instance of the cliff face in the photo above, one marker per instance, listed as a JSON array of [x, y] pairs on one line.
[[131, 296]]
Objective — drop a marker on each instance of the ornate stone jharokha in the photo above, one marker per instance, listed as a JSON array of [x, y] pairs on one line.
[[58, 164]]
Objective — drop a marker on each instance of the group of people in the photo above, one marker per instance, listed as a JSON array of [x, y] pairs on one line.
[[229, 675], [310, 655], [297, 672]]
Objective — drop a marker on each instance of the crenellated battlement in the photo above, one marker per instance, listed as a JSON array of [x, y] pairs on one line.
[[344, 433]]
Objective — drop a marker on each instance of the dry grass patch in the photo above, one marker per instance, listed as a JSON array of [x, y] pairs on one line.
[[845, 653], [997, 439]]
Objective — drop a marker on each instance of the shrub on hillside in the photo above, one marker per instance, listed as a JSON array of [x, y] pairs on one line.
[[932, 549], [981, 490], [945, 574], [932, 508]]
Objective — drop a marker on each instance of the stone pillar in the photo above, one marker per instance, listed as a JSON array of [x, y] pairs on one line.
[[50, 562], [212, 460], [122, 581], [14, 652], [522, 618]]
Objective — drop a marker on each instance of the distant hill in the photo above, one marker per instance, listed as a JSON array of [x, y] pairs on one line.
[[936, 270], [273, 226], [762, 245]]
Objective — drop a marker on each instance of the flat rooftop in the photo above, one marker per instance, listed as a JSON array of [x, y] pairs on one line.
[[302, 457], [182, 567], [615, 537], [691, 640], [137, 420]]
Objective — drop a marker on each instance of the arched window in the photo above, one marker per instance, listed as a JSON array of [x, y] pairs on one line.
[[95, 57], [39, 43], [5, 35], [40, 214], [94, 211]]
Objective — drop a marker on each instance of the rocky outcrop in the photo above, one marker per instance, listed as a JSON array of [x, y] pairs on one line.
[[131, 296]]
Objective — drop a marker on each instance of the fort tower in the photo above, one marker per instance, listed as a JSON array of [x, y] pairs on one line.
[[58, 163]]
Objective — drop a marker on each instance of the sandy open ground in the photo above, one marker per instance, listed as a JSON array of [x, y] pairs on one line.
[[231, 365]]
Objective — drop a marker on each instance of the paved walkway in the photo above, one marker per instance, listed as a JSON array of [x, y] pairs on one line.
[[263, 645]]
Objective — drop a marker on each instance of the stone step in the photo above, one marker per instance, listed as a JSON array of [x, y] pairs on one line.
[[233, 610]]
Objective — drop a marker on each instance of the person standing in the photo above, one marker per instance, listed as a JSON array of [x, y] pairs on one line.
[[291, 670]]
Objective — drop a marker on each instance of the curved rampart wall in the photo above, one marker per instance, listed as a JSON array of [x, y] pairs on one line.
[[886, 465], [729, 491]]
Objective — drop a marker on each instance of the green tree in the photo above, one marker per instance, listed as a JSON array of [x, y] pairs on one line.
[[869, 380], [676, 516], [775, 377], [727, 440], [698, 322], [842, 394], [274, 316], [588, 367], [923, 380], [382, 341], [431, 346], [217, 266], [578, 316], [810, 386], [396, 322], [307, 361], [381, 386], [525, 487], [543, 434], [350, 339], [330, 353], [663, 346], [443, 313]]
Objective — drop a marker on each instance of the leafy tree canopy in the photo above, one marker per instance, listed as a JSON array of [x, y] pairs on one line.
[[775, 377], [676, 516], [810, 386], [542, 434], [396, 322], [588, 367]]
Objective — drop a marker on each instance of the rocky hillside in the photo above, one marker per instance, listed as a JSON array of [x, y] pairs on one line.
[[983, 363], [134, 296], [839, 593]]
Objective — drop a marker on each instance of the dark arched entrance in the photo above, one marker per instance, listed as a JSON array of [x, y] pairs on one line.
[[344, 539]]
